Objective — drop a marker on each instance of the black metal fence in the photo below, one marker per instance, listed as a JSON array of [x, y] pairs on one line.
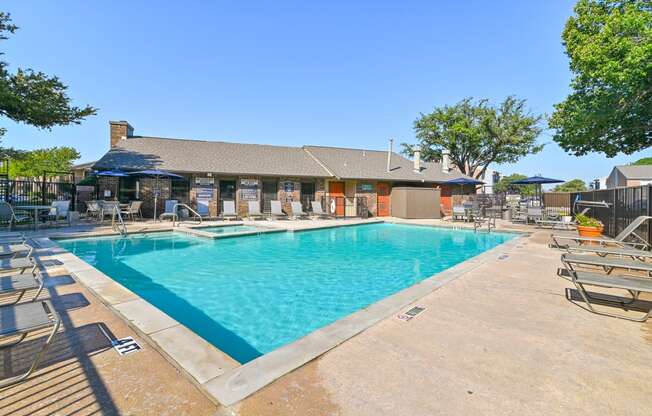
[[26, 192], [624, 205]]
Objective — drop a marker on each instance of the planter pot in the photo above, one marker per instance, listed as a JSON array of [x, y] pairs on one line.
[[586, 231]]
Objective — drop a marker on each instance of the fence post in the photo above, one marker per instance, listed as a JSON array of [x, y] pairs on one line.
[[74, 198], [43, 190]]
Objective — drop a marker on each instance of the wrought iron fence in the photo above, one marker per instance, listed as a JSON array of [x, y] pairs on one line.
[[624, 205], [26, 192]]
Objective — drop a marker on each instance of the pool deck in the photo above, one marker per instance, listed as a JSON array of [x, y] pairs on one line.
[[499, 337]]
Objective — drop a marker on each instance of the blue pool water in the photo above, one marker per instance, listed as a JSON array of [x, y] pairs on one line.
[[229, 229], [252, 294]]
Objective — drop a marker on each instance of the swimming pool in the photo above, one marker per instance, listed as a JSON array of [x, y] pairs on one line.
[[252, 294]]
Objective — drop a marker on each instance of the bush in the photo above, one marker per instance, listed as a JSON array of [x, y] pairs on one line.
[[586, 221]]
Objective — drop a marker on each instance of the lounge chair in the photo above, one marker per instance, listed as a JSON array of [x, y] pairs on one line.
[[608, 264], [228, 211], [277, 210], [58, 211], [170, 209], [634, 285], [566, 222], [297, 210], [22, 264], [619, 240], [19, 321], [14, 249], [253, 211], [459, 212], [8, 215], [318, 211], [18, 285], [133, 210], [604, 250]]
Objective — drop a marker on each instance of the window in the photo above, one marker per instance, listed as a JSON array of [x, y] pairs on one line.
[[179, 190], [129, 189], [307, 194]]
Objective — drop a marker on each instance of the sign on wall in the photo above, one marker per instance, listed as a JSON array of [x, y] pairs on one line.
[[245, 183], [249, 189], [204, 181], [365, 187], [288, 186]]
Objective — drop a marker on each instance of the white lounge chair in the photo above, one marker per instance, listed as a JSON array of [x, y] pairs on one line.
[[170, 209], [8, 215], [228, 211], [623, 239], [253, 211], [133, 210], [297, 210], [318, 211], [277, 210]]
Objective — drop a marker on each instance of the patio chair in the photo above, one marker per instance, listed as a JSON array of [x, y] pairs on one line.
[[58, 211], [604, 251], [170, 209], [634, 285], [253, 211], [318, 211], [133, 210], [93, 209], [8, 215], [19, 321], [459, 212], [619, 240], [534, 214], [566, 223], [228, 211], [18, 285], [297, 210], [277, 210], [108, 208]]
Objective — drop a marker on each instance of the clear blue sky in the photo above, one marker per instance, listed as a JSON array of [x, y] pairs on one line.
[[337, 73]]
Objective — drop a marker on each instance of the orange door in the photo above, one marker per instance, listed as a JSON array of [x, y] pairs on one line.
[[383, 202], [336, 191]]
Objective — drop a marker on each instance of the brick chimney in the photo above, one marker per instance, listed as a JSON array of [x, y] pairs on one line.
[[120, 130]]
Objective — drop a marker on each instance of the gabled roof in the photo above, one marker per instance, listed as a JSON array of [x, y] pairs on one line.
[[197, 156], [636, 171], [180, 155], [372, 164]]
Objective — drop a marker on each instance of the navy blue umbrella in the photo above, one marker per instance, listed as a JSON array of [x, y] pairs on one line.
[[157, 174], [115, 173], [538, 181], [463, 181]]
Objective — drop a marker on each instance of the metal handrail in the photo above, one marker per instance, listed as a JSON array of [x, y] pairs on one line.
[[175, 216], [116, 227]]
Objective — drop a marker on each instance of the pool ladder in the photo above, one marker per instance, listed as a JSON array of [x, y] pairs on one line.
[[118, 225], [175, 216]]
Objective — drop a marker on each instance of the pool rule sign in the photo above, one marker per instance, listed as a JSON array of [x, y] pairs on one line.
[[249, 189]]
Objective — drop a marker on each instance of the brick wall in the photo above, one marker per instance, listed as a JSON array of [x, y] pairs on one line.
[[147, 186]]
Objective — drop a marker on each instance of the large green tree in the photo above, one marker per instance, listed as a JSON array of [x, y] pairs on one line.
[[609, 109], [477, 134], [574, 185], [643, 161], [40, 162], [32, 97]]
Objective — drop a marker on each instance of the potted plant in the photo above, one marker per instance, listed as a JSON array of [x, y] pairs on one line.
[[588, 226]]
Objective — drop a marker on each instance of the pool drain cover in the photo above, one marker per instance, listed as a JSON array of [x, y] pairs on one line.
[[406, 316], [126, 345]]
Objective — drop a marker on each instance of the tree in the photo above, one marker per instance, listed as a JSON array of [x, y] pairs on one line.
[[609, 44], [575, 185], [37, 163], [32, 97], [505, 186], [644, 161], [477, 134]]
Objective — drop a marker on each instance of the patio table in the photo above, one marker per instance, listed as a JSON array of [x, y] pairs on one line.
[[35, 209]]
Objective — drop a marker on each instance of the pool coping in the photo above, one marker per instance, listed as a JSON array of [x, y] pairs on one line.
[[223, 379]]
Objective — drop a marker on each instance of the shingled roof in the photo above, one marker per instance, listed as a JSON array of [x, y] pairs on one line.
[[192, 156], [197, 156], [636, 171]]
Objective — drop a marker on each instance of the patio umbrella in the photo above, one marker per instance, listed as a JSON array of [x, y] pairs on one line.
[[538, 181], [157, 174], [115, 173]]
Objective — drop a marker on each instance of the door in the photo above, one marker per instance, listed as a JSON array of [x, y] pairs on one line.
[[383, 201], [270, 193], [307, 194], [336, 192], [227, 193]]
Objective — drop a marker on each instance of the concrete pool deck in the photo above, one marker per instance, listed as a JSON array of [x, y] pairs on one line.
[[498, 339]]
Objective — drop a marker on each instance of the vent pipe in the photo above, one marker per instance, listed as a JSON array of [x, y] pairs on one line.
[[389, 155], [445, 161], [417, 160]]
